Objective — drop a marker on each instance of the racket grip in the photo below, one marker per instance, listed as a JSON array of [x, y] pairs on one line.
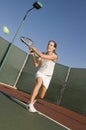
[[32, 51]]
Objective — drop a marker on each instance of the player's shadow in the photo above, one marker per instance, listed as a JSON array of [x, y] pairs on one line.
[[12, 99]]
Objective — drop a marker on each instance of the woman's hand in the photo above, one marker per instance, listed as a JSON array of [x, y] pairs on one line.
[[32, 49]]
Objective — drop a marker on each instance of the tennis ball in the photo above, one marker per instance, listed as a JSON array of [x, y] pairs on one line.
[[6, 30]]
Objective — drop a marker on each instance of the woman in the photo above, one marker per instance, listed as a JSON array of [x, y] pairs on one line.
[[44, 73]]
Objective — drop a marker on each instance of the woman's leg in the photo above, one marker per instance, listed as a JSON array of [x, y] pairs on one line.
[[35, 94], [42, 92], [36, 89]]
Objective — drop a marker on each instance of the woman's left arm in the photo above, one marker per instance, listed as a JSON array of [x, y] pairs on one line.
[[42, 55]]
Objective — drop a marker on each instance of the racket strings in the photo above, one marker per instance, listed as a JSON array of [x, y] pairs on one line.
[[27, 41]]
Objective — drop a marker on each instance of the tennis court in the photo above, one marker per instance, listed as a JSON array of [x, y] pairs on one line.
[[14, 115], [64, 106]]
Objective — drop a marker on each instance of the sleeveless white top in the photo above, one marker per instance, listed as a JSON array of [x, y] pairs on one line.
[[47, 67]]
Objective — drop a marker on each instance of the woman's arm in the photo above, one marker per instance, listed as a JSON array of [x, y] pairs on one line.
[[42, 55], [35, 60]]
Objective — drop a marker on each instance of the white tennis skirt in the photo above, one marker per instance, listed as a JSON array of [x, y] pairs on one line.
[[45, 79]]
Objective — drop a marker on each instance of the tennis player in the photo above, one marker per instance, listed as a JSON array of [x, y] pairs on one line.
[[44, 73]]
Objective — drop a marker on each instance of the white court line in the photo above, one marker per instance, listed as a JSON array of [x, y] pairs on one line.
[[53, 120], [22, 103]]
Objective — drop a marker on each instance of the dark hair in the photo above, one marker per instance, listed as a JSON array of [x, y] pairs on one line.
[[55, 44]]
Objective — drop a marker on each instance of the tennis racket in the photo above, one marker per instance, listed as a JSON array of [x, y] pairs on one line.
[[26, 40]]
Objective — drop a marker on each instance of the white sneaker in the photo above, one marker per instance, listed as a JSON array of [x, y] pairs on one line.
[[27, 107], [32, 108]]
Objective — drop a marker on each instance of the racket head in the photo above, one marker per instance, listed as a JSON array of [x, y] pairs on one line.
[[26, 40]]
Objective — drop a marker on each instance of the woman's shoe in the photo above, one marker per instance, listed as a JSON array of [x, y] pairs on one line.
[[32, 108]]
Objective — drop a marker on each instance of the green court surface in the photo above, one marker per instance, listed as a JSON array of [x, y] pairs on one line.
[[15, 117], [67, 91]]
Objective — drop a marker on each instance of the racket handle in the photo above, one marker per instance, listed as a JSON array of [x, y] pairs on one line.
[[31, 50]]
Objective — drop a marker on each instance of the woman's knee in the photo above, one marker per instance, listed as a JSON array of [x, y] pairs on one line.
[[39, 81]]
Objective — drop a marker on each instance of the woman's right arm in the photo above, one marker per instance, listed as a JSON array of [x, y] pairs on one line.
[[35, 60], [46, 56]]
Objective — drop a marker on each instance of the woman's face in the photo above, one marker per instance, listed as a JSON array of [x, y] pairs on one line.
[[50, 47]]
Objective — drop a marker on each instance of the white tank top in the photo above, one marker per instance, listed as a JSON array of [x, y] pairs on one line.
[[47, 67]]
